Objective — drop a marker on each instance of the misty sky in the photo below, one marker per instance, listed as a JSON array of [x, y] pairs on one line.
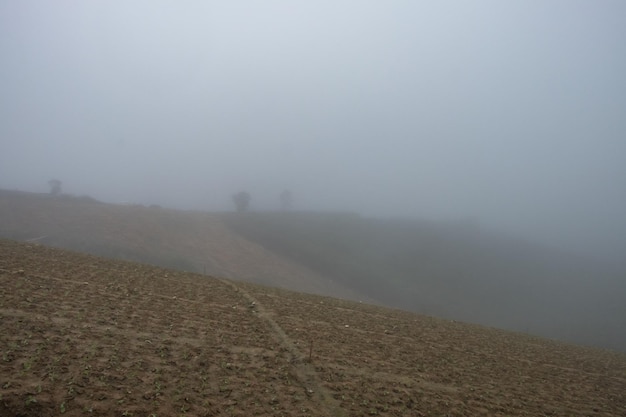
[[512, 113]]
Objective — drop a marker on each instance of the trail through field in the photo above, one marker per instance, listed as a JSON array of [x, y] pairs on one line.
[[306, 374], [136, 339], [83, 335]]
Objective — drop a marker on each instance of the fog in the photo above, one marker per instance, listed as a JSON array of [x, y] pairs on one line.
[[510, 114]]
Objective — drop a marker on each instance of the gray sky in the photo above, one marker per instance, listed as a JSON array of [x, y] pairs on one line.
[[509, 112]]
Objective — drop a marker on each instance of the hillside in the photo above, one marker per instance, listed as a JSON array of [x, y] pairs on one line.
[[184, 240], [454, 271], [83, 335]]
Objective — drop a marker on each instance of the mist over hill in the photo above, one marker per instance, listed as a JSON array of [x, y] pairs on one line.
[[185, 240], [506, 113], [452, 270], [509, 112]]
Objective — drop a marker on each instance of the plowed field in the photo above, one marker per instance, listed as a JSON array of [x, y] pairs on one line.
[[82, 335]]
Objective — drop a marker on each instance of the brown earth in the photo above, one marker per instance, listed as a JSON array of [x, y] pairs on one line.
[[83, 335]]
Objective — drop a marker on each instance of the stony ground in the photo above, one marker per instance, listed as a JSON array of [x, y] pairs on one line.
[[84, 336]]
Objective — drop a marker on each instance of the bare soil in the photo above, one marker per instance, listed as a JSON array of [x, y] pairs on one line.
[[83, 335]]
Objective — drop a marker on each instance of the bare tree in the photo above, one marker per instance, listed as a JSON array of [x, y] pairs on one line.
[[286, 199], [55, 187], [241, 200]]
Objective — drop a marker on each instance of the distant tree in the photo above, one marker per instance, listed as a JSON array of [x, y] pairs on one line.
[[286, 199], [55, 187], [241, 200]]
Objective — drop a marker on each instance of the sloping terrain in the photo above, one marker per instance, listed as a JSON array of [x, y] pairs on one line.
[[454, 271], [83, 335], [183, 240], [457, 271]]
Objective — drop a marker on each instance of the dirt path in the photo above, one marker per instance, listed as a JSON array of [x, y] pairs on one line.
[[82, 335], [307, 376]]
